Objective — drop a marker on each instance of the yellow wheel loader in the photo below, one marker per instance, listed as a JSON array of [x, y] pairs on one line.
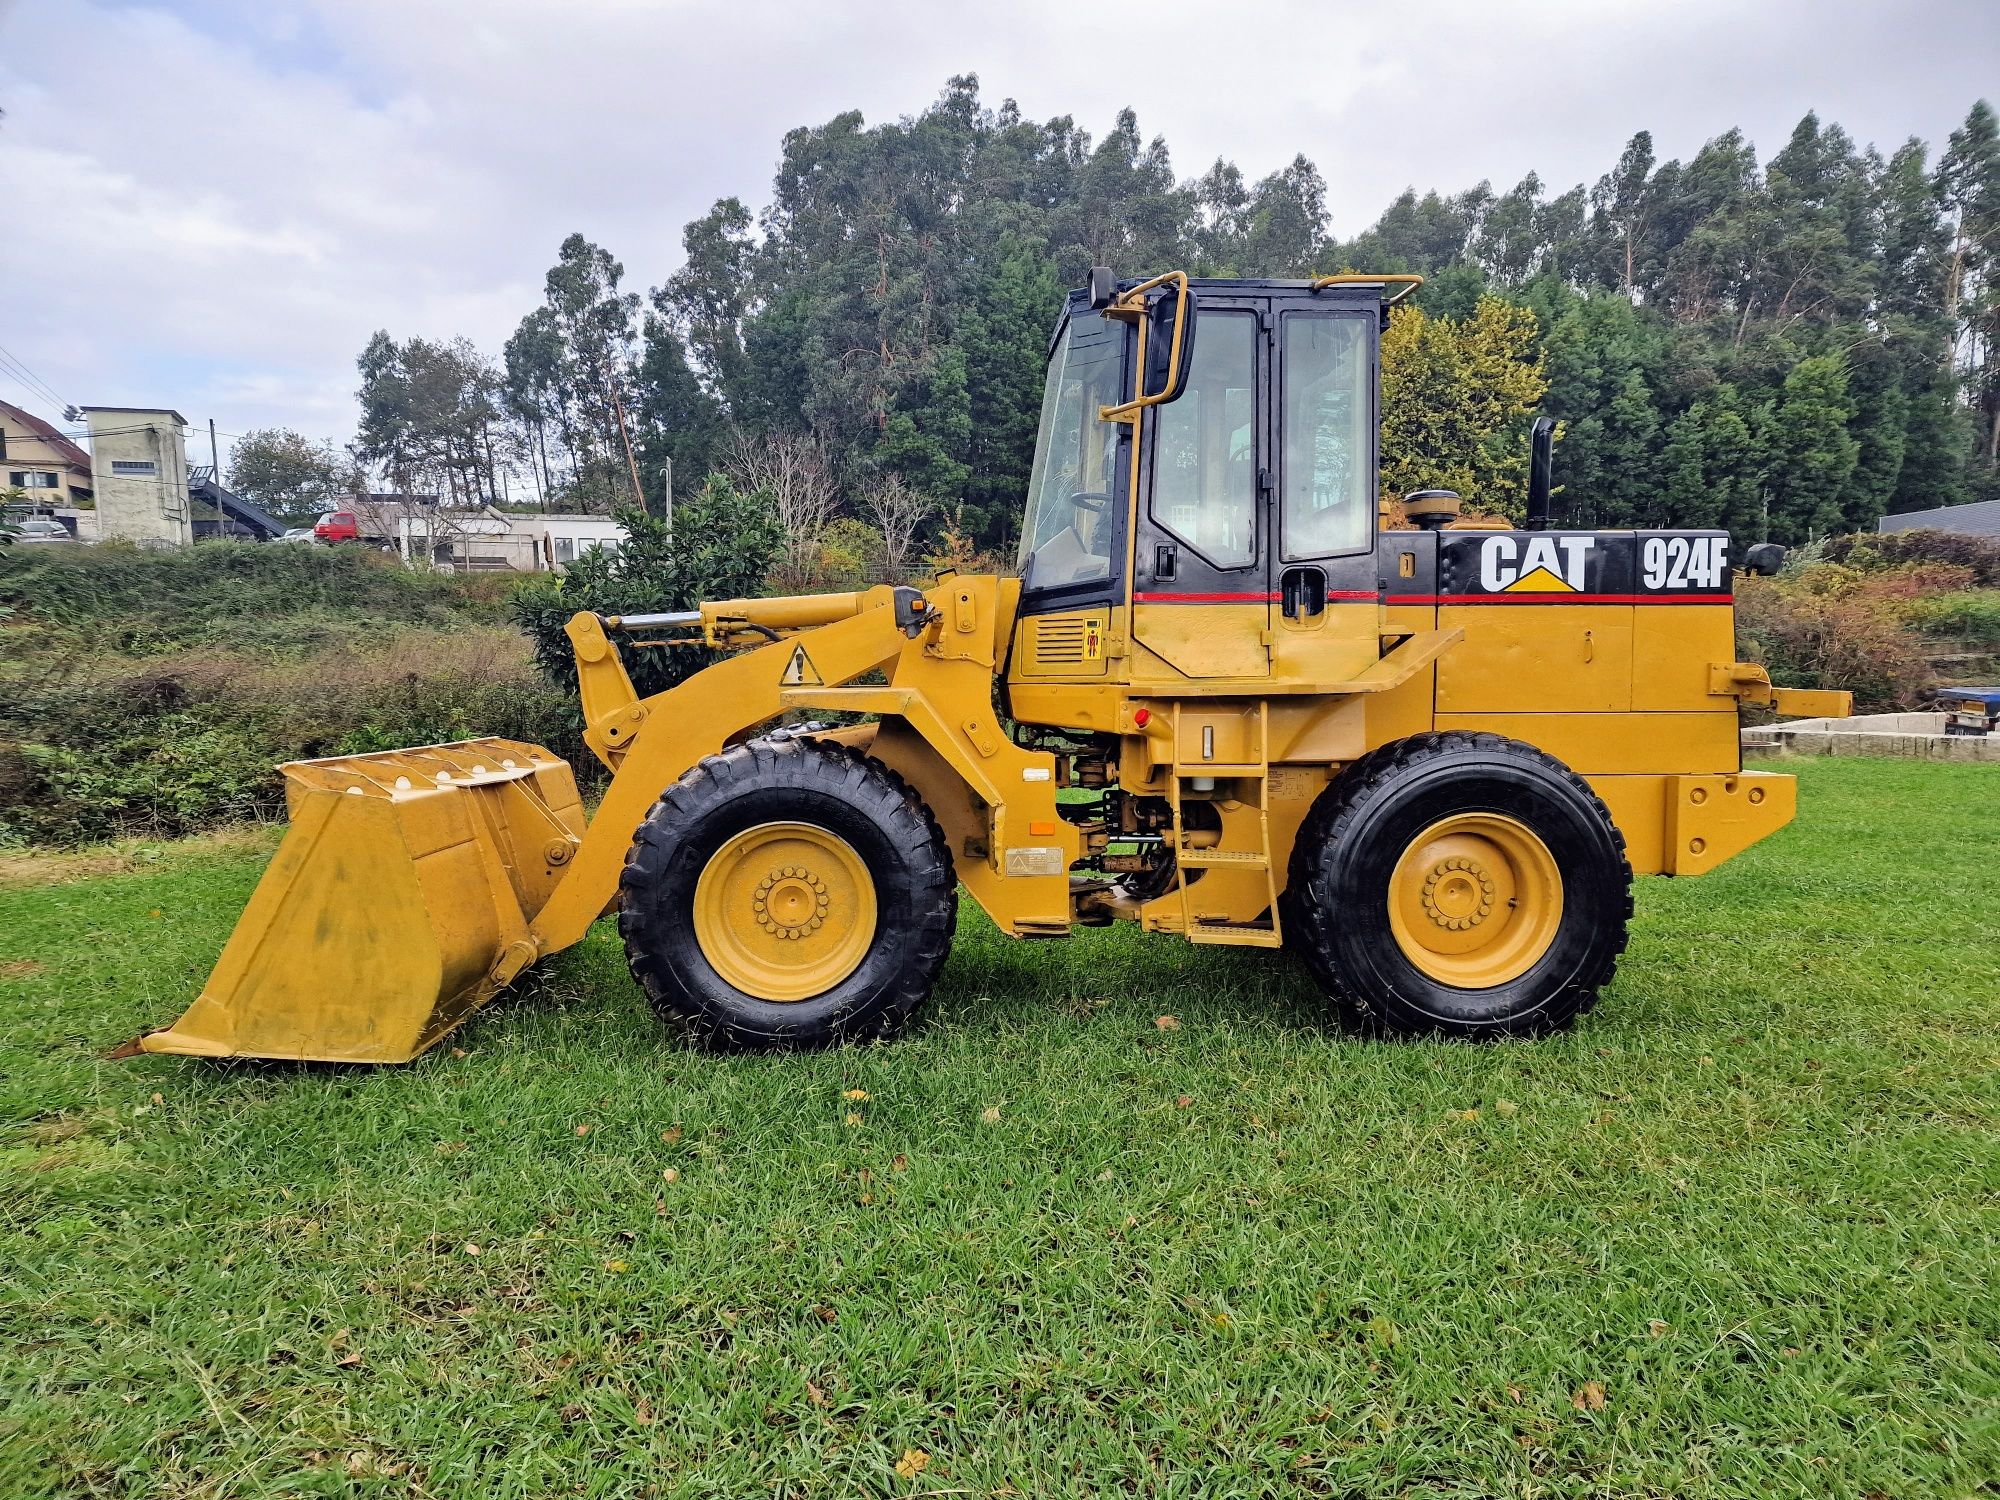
[[1221, 700]]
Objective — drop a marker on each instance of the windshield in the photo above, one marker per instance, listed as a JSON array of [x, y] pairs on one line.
[[1067, 534]]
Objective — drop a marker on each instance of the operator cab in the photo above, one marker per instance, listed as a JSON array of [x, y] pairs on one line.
[[1255, 451]]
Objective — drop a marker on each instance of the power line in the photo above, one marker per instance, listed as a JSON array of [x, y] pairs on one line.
[[31, 379]]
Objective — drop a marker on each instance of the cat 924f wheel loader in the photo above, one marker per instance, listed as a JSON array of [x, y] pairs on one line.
[[1427, 759]]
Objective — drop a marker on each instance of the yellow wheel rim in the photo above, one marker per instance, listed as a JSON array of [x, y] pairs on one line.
[[785, 911], [1476, 900]]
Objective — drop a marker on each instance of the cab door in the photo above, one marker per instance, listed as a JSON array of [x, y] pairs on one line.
[[1201, 587], [1328, 612]]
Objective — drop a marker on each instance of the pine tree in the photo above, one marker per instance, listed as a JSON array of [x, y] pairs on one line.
[[1810, 455]]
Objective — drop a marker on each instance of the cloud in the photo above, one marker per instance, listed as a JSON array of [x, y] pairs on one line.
[[215, 204]]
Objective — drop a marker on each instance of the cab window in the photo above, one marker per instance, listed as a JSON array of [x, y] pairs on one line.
[[1066, 536], [1205, 451], [1326, 467]]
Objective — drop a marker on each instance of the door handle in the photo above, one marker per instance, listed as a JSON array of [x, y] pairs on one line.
[[1166, 561], [1301, 592]]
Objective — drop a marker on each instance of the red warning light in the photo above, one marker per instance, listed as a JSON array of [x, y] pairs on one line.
[[1142, 717]]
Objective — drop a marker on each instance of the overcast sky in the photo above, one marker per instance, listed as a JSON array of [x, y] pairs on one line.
[[209, 206]]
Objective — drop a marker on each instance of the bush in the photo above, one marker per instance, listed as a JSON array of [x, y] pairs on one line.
[[157, 692], [1869, 552], [722, 546], [229, 592], [1971, 616], [1825, 638]]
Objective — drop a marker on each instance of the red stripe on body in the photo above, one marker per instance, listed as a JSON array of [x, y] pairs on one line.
[[1553, 598]]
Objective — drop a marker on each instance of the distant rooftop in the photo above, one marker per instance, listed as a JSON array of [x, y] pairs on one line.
[[139, 411], [1981, 518]]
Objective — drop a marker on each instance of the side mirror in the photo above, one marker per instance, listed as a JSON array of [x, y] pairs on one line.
[[1164, 310], [1169, 344], [1764, 560]]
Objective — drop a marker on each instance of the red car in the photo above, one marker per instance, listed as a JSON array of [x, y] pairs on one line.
[[337, 526]]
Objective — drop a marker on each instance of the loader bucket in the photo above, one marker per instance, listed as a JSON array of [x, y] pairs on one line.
[[397, 904]]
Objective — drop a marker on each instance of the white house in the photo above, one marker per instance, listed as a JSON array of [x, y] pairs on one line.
[[487, 540]]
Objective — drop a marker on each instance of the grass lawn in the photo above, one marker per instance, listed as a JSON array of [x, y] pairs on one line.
[[1734, 1236]]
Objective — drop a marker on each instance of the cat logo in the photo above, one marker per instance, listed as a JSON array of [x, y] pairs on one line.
[[1544, 565], [799, 671]]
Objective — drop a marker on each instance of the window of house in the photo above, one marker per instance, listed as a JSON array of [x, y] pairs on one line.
[[135, 468], [565, 550], [33, 479]]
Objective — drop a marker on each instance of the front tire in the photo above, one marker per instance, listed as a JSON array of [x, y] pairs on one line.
[[1461, 885], [787, 895]]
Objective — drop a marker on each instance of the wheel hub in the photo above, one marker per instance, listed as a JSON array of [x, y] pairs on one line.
[[791, 902], [785, 911], [1458, 893], [1475, 900]]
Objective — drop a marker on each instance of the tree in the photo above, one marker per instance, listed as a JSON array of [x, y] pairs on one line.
[[796, 472], [1811, 455], [289, 474], [721, 546], [427, 409], [1457, 395], [682, 429], [896, 511]]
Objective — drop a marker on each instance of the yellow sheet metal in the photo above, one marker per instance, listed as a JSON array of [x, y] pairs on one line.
[[399, 902]]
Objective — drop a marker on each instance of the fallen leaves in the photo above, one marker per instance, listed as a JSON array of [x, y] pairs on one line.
[[1657, 1328], [1589, 1396], [990, 1115], [815, 1394], [854, 1096], [853, 1119], [671, 1137], [1506, 1109], [583, 1130], [913, 1462], [1167, 1023], [472, 1249], [672, 1174]]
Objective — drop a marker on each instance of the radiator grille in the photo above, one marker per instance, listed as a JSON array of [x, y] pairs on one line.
[[1059, 641]]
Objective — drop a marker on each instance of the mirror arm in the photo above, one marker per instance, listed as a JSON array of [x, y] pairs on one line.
[[1130, 307]]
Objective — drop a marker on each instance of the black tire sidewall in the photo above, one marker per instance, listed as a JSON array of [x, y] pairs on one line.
[[657, 918], [1371, 835]]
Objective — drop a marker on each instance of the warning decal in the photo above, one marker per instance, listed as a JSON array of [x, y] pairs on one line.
[[800, 672]]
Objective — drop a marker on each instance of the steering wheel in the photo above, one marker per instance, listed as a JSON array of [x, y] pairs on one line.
[[1099, 496]]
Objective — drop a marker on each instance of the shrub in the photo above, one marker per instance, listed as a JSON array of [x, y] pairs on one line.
[[146, 599], [1971, 616], [1831, 639], [721, 546], [1873, 551]]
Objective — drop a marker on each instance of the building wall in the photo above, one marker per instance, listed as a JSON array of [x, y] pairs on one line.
[[27, 453], [139, 468]]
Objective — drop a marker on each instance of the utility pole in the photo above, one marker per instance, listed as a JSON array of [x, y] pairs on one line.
[[213, 462]]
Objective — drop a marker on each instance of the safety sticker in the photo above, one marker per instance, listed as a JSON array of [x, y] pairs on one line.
[[800, 672], [1093, 637]]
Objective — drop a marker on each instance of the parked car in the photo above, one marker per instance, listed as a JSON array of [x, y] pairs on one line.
[[299, 534], [39, 530], [337, 526]]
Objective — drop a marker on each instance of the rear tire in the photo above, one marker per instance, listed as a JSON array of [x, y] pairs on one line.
[[786, 895], [1460, 885]]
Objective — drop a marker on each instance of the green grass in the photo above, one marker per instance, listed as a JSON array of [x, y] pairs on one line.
[[1751, 1201]]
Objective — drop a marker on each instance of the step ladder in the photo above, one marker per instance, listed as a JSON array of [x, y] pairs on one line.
[[1252, 778]]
